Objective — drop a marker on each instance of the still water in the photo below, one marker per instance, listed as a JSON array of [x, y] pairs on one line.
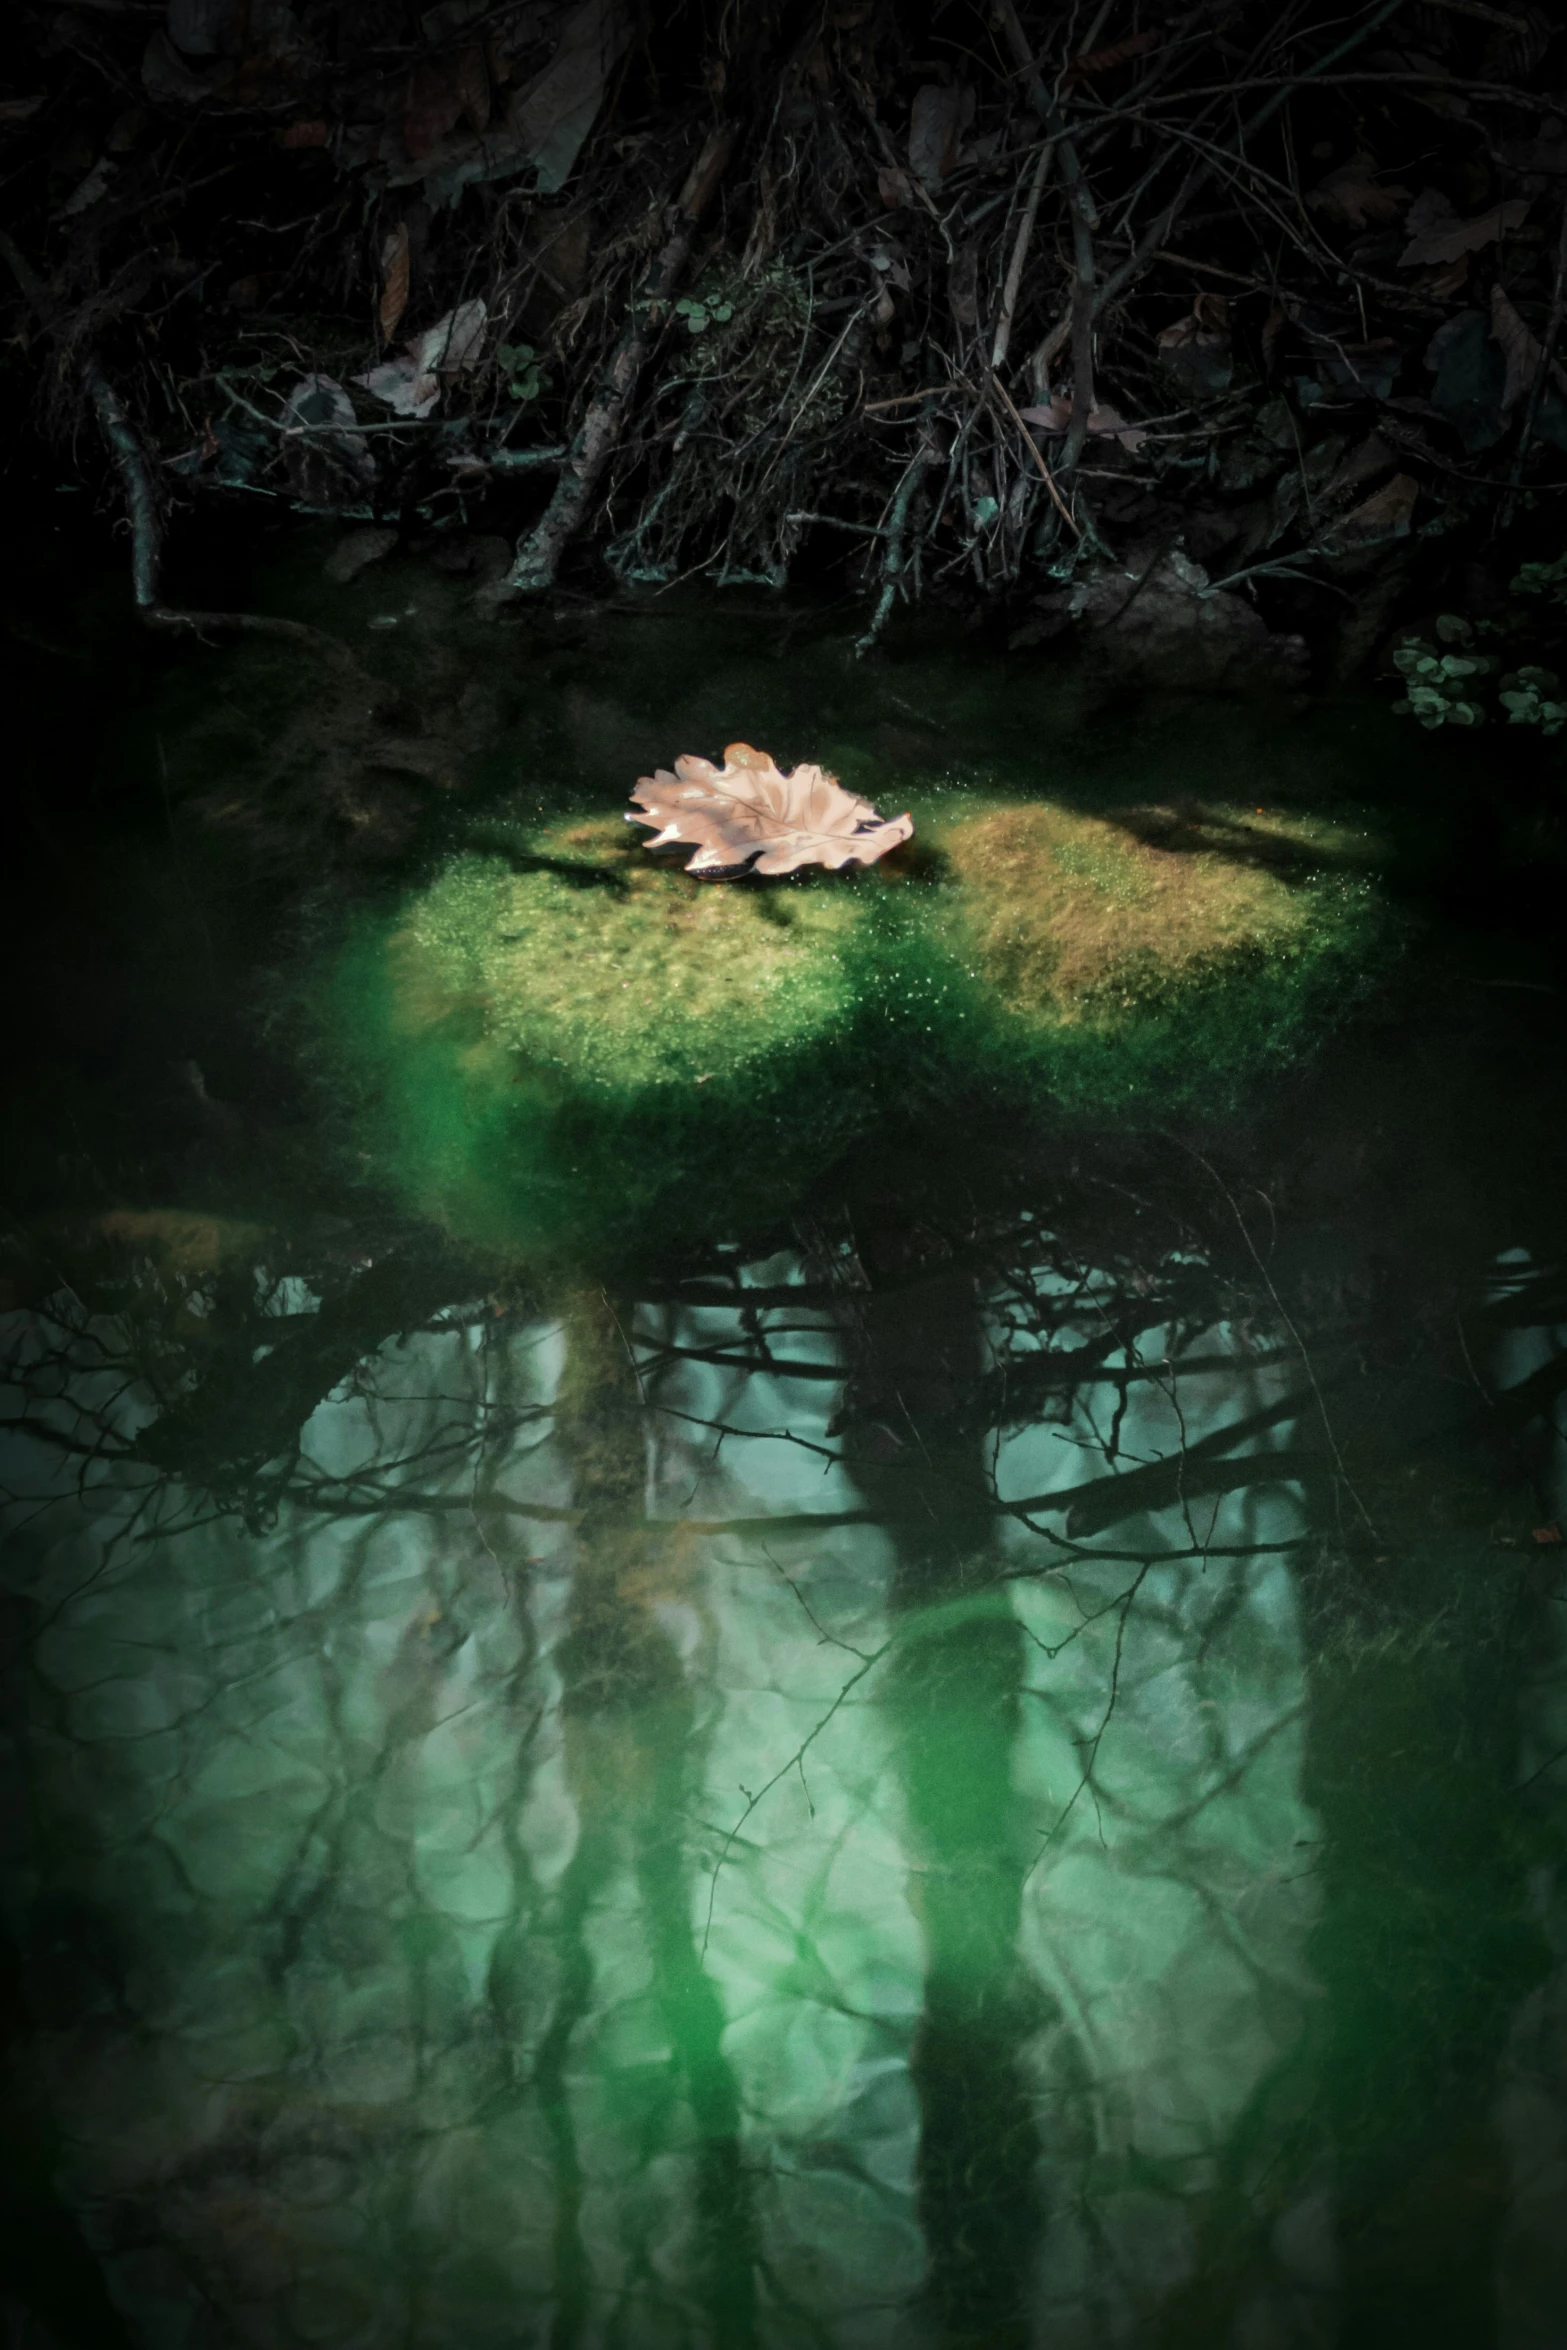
[[976, 1762]]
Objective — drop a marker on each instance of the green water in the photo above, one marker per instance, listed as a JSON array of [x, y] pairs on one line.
[[958, 1744]]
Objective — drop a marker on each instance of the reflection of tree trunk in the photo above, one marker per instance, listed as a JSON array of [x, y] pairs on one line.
[[629, 1724], [1424, 1944], [954, 1693]]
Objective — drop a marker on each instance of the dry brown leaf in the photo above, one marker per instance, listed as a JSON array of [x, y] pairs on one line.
[[1518, 346], [1445, 238], [434, 105], [936, 122], [1104, 60], [1354, 197], [1386, 513], [394, 280], [747, 816], [454, 346], [1106, 421], [473, 87]]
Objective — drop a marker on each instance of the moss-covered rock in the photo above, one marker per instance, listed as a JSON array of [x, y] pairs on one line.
[[572, 1041]]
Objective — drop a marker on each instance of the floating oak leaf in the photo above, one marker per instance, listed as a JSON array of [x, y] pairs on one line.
[[748, 817]]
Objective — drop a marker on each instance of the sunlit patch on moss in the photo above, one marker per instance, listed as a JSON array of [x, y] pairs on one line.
[[569, 1041], [591, 959], [1151, 959]]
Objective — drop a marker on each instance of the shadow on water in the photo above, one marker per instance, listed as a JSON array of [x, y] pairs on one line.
[[983, 1766]]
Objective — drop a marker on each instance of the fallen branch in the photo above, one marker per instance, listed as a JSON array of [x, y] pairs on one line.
[[138, 483], [539, 553]]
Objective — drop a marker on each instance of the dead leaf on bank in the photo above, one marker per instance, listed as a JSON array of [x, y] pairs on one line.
[[963, 286], [412, 385], [320, 431], [394, 280], [1353, 196], [92, 190], [1105, 60], [895, 189], [19, 109], [1105, 421], [936, 122], [1385, 514], [473, 88], [547, 120], [1520, 350], [1197, 347], [1438, 234], [747, 816]]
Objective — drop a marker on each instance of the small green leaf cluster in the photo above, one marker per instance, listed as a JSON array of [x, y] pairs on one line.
[[701, 312], [1526, 696], [1543, 579], [525, 376], [1437, 686]]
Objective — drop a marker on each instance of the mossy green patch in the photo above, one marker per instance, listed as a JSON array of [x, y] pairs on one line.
[[571, 1043]]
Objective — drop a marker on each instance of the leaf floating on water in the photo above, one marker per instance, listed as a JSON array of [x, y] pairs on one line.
[[747, 816]]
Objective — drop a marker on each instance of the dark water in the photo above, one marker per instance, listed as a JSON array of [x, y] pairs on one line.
[[982, 1764]]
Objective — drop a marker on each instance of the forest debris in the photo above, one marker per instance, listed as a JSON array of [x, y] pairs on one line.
[[747, 816], [557, 112], [1197, 347], [1094, 61], [394, 279], [1471, 376], [1519, 350], [320, 436], [1438, 234], [940, 112], [1104, 420], [1386, 514], [547, 120], [92, 190], [412, 385], [1353, 197]]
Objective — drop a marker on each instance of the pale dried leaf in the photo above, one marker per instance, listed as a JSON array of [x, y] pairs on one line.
[[394, 279], [748, 816], [92, 191], [1446, 239], [1105, 421], [319, 421], [412, 385]]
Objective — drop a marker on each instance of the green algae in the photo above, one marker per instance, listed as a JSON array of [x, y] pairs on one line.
[[563, 1040]]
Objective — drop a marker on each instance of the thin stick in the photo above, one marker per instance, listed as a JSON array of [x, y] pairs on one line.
[[1014, 277], [1049, 478], [1541, 382]]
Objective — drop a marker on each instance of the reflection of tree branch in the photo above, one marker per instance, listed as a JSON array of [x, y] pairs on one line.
[[1124, 1606], [795, 1759]]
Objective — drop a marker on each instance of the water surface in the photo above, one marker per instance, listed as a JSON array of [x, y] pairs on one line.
[[974, 1758]]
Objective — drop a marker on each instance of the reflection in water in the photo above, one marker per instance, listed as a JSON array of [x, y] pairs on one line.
[[935, 1804]]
